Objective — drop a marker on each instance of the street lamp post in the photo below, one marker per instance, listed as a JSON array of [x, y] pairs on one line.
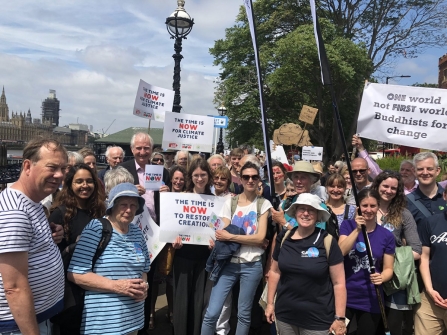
[[179, 25], [220, 146], [386, 81]]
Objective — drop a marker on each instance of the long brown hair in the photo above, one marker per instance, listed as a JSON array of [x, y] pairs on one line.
[[399, 202], [96, 202], [202, 165]]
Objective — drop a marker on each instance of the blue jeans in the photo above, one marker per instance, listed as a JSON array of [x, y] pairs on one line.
[[44, 329], [249, 275]]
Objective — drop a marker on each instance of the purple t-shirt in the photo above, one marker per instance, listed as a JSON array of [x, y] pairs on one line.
[[361, 292]]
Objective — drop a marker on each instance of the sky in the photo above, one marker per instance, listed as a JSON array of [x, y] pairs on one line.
[[93, 53]]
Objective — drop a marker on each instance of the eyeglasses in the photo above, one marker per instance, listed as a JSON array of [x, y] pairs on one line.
[[220, 178], [362, 171], [311, 211], [247, 177], [158, 160], [201, 176]]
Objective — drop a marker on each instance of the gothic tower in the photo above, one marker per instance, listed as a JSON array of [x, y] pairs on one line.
[[4, 110]]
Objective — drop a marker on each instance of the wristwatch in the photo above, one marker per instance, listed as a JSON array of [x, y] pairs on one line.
[[287, 225], [339, 318]]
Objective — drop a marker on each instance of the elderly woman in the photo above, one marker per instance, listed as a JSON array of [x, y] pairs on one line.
[[307, 263], [183, 158], [221, 181], [117, 176], [116, 285]]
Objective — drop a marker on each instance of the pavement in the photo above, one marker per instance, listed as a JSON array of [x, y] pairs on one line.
[[162, 325]]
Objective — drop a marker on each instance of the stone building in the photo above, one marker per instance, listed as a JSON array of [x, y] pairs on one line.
[[442, 80], [21, 127]]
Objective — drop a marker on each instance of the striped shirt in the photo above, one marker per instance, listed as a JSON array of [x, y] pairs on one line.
[[125, 257], [25, 228]]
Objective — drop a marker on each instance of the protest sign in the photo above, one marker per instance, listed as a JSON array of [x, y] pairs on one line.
[[188, 132], [153, 177], [188, 215], [150, 232], [308, 114], [312, 154], [152, 102], [406, 115], [278, 153]]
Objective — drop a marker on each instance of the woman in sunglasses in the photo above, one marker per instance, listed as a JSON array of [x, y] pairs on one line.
[[222, 181], [158, 158], [394, 216], [245, 264]]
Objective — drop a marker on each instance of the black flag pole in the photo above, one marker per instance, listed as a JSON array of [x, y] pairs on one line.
[[251, 21], [326, 79]]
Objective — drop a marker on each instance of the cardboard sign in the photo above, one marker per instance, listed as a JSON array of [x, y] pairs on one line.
[[189, 216], [406, 115], [153, 177], [308, 114], [188, 132], [152, 102], [312, 154], [151, 233]]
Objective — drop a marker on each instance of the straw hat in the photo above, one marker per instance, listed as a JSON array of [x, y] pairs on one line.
[[305, 167], [310, 200]]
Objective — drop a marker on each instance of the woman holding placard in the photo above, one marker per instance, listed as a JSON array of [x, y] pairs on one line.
[[249, 212], [189, 263]]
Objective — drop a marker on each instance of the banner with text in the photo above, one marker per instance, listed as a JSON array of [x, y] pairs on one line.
[[312, 154], [188, 132], [153, 177], [151, 233], [406, 115], [188, 215], [152, 102]]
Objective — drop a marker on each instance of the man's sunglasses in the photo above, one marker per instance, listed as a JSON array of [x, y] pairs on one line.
[[247, 177], [362, 171]]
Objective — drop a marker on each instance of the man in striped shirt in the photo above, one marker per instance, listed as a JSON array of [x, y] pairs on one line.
[[32, 274]]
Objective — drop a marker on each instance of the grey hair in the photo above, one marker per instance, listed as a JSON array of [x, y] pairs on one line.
[[113, 147], [186, 152], [422, 156], [157, 153], [117, 176], [217, 156], [76, 156], [407, 161], [143, 135], [252, 159]]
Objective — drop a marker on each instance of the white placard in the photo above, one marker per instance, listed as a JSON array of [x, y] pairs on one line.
[[151, 233], [277, 153], [312, 154], [188, 132], [152, 101], [188, 215], [153, 177], [405, 115]]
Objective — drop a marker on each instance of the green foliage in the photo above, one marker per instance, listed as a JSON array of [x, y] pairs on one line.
[[391, 162], [425, 85]]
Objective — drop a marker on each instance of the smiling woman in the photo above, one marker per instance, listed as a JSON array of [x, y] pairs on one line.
[[80, 200]]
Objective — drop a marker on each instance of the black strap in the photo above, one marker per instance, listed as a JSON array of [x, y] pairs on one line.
[[346, 212], [107, 231], [419, 205]]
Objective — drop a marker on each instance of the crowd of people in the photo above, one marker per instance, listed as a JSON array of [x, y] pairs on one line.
[[72, 261]]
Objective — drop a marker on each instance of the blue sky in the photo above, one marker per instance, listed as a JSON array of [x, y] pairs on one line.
[[93, 53]]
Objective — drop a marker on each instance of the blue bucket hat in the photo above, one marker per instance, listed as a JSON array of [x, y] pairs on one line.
[[125, 190]]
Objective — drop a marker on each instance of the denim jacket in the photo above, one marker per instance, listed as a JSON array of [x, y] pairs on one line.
[[222, 253]]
